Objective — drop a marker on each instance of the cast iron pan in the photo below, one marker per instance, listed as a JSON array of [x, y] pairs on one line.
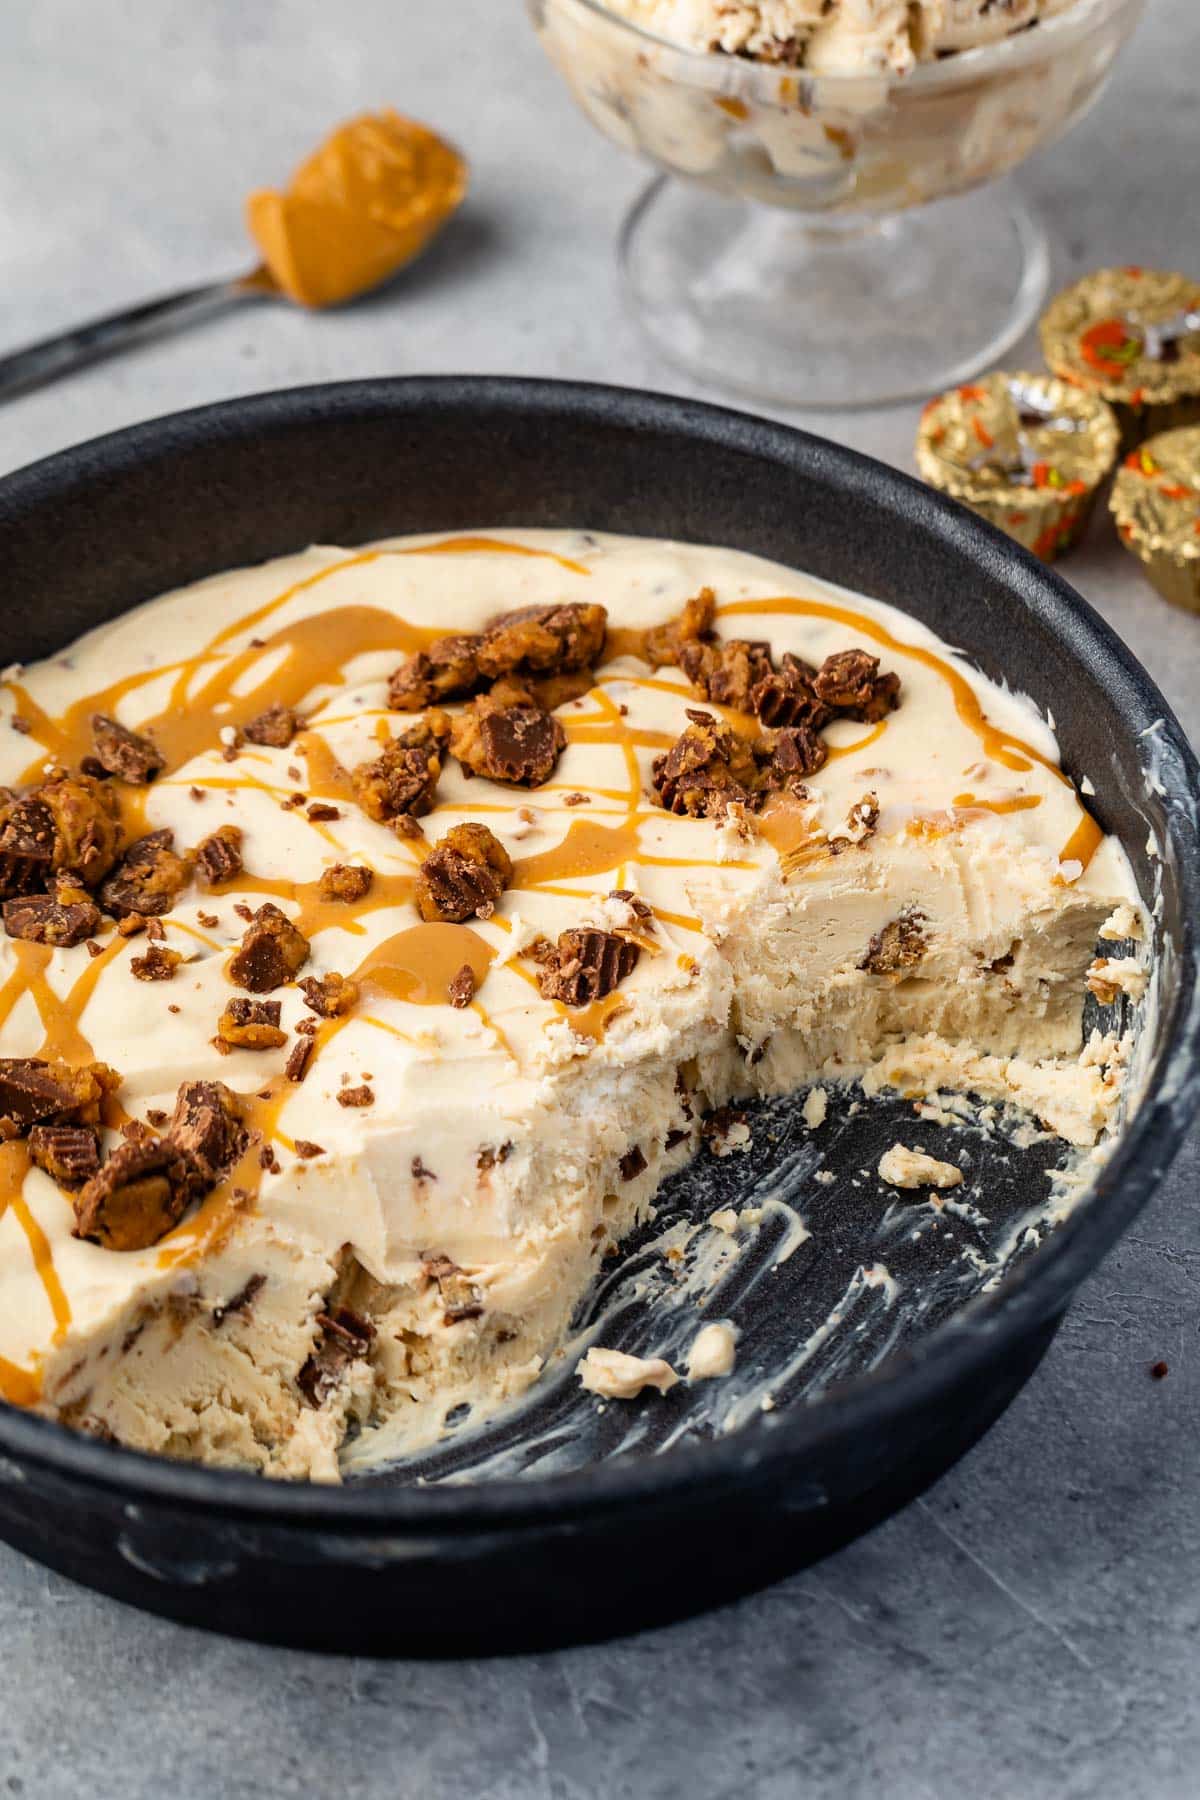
[[579, 1523]]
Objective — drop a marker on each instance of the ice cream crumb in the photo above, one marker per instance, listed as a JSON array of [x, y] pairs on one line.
[[713, 1353], [826, 1177], [728, 1139], [913, 1169], [1113, 975], [616, 1376], [1122, 922], [815, 1108]]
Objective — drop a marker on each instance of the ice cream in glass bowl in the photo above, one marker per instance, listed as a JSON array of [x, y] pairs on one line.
[[830, 227]]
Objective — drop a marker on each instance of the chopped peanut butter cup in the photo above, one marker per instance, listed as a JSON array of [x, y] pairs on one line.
[[662, 645], [124, 753], [158, 963], [516, 744], [543, 691], [274, 728], [70, 821], [862, 823], [899, 946], [345, 1337], [463, 876], [587, 965], [136, 1197], [219, 857], [849, 683], [460, 1298], [346, 881], [251, 1025], [402, 779], [26, 845], [147, 880], [331, 995], [33, 1092], [461, 988], [448, 670], [207, 1129], [707, 769], [787, 696], [542, 640], [272, 951], [45, 919], [726, 671], [69, 1154]]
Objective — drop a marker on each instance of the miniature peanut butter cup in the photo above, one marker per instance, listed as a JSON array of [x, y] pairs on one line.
[[1026, 452], [1156, 505], [1132, 336]]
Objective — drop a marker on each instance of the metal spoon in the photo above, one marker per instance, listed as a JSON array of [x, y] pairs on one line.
[[67, 350]]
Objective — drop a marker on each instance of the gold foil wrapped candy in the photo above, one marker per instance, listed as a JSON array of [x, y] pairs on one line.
[[1132, 336], [1156, 504], [1026, 452]]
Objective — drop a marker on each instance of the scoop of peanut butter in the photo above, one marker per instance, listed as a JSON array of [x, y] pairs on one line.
[[364, 204]]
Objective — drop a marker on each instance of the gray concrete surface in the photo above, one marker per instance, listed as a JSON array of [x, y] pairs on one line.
[[1033, 1626]]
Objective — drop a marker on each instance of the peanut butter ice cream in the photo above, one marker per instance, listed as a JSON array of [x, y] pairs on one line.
[[382, 927], [847, 37]]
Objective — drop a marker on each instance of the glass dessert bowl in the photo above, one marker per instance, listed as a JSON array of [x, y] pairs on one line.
[[813, 240]]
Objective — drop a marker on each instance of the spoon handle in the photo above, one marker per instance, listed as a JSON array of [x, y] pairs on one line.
[[68, 350]]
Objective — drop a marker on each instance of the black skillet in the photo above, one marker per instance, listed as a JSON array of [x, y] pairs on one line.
[[580, 1524]]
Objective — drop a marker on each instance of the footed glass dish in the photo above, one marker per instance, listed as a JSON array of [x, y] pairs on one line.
[[833, 240]]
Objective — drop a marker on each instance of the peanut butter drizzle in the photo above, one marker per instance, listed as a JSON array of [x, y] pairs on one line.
[[315, 914], [625, 640], [14, 1167], [588, 1021], [1018, 803], [592, 1021], [327, 779], [588, 731], [1081, 846], [862, 743], [489, 546], [63, 1040], [743, 724], [317, 649], [23, 1387], [593, 849], [418, 965], [587, 849], [43, 1262], [786, 824], [20, 1387]]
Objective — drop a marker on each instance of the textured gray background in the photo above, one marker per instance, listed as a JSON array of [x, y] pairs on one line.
[[1030, 1628]]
